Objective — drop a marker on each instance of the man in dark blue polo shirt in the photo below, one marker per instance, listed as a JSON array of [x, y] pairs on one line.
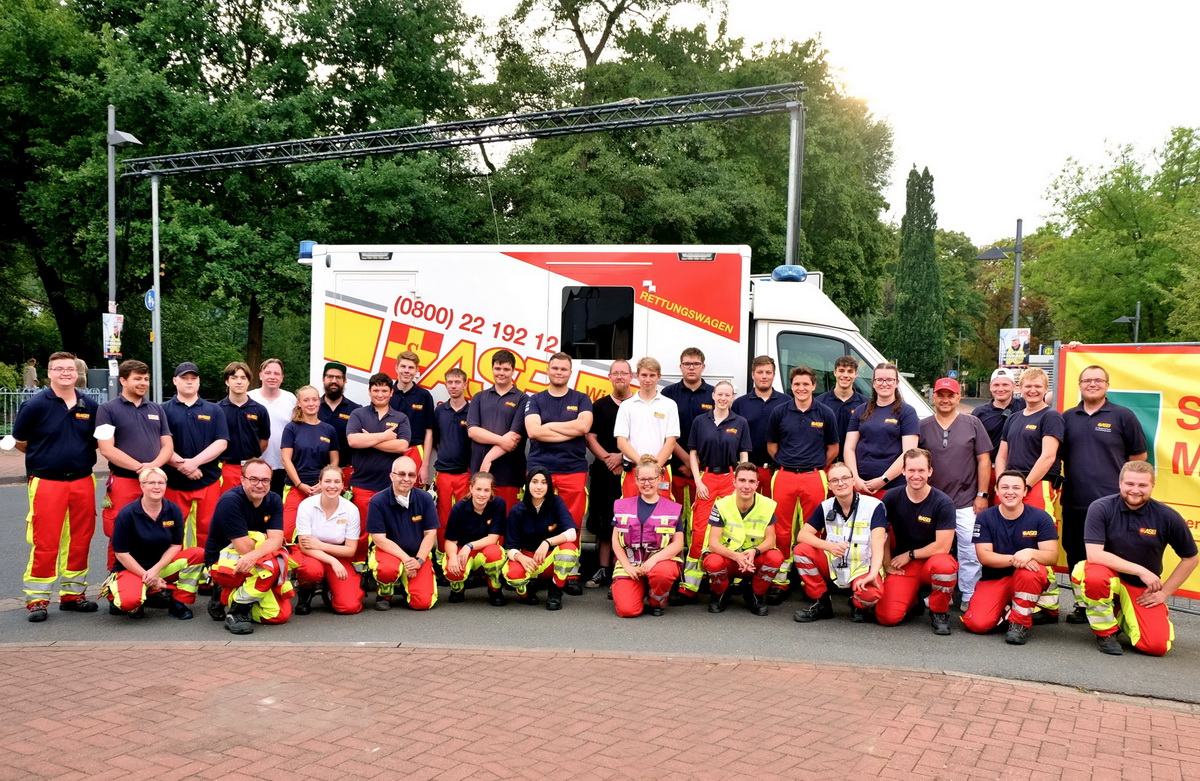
[[693, 396], [1121, 582], [496, 426], [378, 435], [248, 423], [139, 438], [556, 421], [1098, 438], [245, 554], [802, 439], [54, 431], [922, 522], [452, 447], [403, 525], [843, 399], [417, 405], [995, 414], [335, 410], [199, 435], [756, 407]]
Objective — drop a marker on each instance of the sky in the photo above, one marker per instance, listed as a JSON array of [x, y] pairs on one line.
[[993, 98]]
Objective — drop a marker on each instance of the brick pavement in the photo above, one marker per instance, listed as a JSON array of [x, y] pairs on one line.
[[210, 710]]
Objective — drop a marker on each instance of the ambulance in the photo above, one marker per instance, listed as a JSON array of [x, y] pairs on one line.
[[455, 306]]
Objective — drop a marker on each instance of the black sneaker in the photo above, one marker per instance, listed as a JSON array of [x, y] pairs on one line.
[[113, 610], [179, 610], [496, 598], [598, 580], [80, 604], [573, 588], [817, 611], [858, 615], [38, 611], [754, 603], [1017, 633], [366, 581], [1078, 615], [554, 598], [139, 614], [658, 611], [237, 620], [304, 598], [718, 602], [529, 598], [216, 611], [940, 623], [457, 596], [159, 600], [777, 596], [1042, 617], [382, 602], [1109, 645]]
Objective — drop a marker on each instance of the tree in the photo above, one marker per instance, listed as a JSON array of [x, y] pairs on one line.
[[913, 333]]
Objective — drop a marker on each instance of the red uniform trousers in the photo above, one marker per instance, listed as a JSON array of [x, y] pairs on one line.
[[417, 454], [1012, 598], [291, 504], [628, 593], [571, 487], [197, 507], [508, 493], [765, 478], [421, 588], [683, 490], [900, 590], [629, 485], [796, 495], [808, 558], [231, 476], [555, 567], [360, 498], [121, 491], [59, 529], [347, 473], [721, 571], [128, 587], [450, 488], [270, 583], [1112, 607], [345, 596], [697, 536]]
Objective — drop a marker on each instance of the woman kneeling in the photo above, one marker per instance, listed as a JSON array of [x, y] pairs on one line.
[[327, 529], [647, 541]]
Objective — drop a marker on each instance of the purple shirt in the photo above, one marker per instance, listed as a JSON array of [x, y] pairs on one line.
[[953, 453], [139, 428], [372, 467]]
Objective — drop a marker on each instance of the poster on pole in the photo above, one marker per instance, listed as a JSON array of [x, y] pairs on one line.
[[111, 328], [1156, 382], [1014, 347]]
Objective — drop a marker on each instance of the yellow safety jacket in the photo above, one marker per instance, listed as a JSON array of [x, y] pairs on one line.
[[855, 530], [742, 533]]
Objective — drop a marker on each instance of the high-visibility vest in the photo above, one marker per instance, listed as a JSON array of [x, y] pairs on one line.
[[855, 530], [642, 540], [742, 533]]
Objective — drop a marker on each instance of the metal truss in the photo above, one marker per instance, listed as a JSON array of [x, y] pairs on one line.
[[629, 113]]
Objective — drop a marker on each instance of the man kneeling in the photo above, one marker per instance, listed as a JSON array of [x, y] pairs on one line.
[[741, 543], [850, 556], [403, 525], [1016, 544], [245, 554]]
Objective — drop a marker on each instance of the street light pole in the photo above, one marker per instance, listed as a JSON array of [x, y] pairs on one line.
[[1001, 253], [1136, 320], [115, 139]]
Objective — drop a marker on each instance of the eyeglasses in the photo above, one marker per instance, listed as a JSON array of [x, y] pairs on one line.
[[62, 370], [158, 483], [691, 364], [405, 474], [1093, 382], [648, 479], [334, 377], [840, 480], [620, 374], [257, 480], [885, 381]]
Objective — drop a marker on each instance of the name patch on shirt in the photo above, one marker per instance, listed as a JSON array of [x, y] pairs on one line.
[[552, 527], [572, 408], [341, 520], [204, 417], [731, 431], [325, 440], [417, 407], [251, 416], [817, 424], [1148, 532], [343, 416], [391, 424], [266, 519], [924, 519], [893, 421], [82, 416], [152, 417], [462, 423], [168, 524], [706, 406], [1029, 533], [510, 404], [1031, 427], [660, 415], [417, 518]]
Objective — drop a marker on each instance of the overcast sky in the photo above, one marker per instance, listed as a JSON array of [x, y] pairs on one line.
[[994, 97]]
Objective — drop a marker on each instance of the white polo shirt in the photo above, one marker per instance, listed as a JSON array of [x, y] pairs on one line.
[[647, 424], [343, 525]]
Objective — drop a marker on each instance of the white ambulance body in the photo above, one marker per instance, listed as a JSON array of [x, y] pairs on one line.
[[456, 305]]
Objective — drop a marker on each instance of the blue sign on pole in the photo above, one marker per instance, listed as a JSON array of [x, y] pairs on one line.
[[150, 300], [952, 374]]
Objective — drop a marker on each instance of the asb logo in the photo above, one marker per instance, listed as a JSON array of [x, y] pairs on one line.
[[1148, 532], [426, 344], [1029, 533]]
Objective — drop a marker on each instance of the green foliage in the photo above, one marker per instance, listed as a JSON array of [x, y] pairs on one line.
[[913, 334]]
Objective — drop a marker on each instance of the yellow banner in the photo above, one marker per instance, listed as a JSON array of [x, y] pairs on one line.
[[1157, 382]]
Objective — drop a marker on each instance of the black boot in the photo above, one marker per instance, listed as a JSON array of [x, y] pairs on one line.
[[718, 602], [496, 597], [858, 615], [304, 597], [754, 603], [237, 620], [817, 611], [554, 596], [940, 623], [216, 611]]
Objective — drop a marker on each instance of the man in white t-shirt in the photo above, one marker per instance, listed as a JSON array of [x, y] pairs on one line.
[[279, 404], [647, 424]]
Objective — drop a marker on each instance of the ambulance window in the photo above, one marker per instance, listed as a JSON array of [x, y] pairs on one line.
[[819, 353], [597, 322]]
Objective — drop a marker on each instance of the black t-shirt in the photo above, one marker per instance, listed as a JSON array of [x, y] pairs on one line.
[[916, 524], [235, 516], [1139, 535], [1094, 449], [1024, 434], [143, 537], [994, 419], [527, 528], [604, 422], [465, 525], [1007, 537]]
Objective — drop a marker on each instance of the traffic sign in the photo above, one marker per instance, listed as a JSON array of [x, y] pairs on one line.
[[151, 301]]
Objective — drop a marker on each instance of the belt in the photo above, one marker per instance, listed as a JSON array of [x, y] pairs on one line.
[[718, 470], [800, 470]]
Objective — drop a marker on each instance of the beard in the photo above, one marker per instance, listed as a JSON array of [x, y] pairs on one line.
[[333, 392]]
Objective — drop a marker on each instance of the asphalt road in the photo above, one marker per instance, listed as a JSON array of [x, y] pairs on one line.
[[1062, 654]]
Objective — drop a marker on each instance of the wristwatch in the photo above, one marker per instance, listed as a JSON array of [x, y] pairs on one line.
[[983, 495]]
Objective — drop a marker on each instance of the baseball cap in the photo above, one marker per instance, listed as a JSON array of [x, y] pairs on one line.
[[1003, 374], [187, 367], [335, 365], [946, 383]]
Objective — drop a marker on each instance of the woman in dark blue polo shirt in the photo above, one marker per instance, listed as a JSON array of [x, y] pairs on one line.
[[880, 432], [308, 446], [541, 539]]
